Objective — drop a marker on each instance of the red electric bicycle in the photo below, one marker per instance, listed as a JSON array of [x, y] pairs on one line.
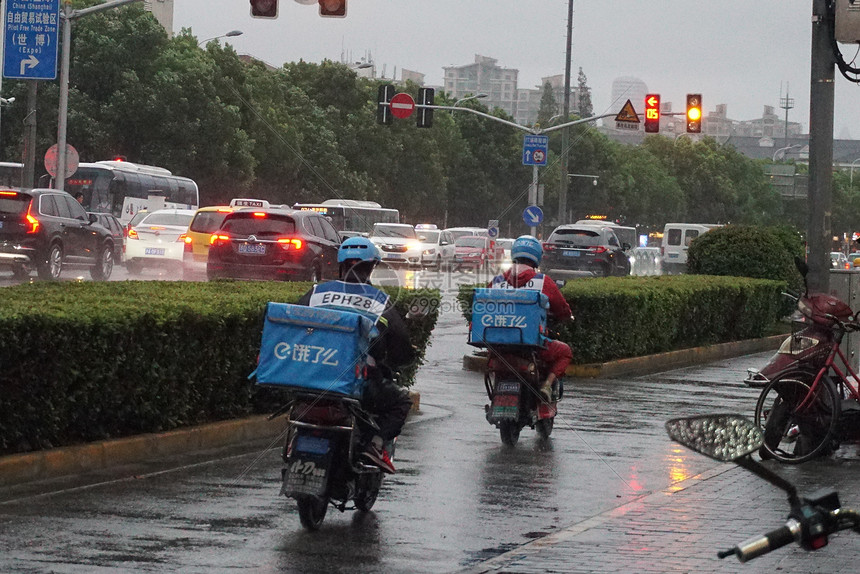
[[806, 412]]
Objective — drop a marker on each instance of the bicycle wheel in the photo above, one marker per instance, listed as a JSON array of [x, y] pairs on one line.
[[794, 434]]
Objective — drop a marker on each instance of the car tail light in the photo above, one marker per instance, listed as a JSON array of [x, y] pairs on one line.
[[548, 247], [31, 222], [259, 214], [215, 238], [132, 233], [847, 265], [289, 243], [600, 249], [184, 238]]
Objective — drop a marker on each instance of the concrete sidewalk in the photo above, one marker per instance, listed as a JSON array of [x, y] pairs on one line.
[[681, 528]]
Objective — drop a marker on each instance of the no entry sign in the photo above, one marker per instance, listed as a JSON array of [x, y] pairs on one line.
[[402, 106]]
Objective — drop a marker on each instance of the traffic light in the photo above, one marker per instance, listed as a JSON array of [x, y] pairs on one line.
[[264, 8], [694, 113], [425, 115], [383, 110], [332, 8], [652, 113]]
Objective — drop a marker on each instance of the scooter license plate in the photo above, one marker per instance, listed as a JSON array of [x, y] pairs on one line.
[[506, 402], [311, 444]]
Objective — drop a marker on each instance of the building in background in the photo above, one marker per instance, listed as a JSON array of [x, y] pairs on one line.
[[484, 76], [163, 12]]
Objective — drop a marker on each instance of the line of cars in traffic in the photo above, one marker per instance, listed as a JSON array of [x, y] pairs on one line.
[[46, 230]]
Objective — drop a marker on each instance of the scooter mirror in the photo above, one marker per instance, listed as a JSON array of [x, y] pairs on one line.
[[724, 437]]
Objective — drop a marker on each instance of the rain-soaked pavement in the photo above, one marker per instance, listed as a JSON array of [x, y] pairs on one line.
[[459, 498]]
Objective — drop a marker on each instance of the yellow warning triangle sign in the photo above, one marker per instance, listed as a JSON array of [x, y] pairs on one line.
[[627, 114]]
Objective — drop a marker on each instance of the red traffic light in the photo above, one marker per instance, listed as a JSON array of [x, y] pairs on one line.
[[652, 113], [264, 8], [694, 113], [332, 8]]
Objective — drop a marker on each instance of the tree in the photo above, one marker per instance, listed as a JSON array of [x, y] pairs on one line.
[[583, 96], [548, 106]]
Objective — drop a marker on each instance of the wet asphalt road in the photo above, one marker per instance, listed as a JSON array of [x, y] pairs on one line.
[[459, 497]]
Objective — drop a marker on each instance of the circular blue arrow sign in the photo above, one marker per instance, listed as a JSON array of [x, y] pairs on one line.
[[533, 215]]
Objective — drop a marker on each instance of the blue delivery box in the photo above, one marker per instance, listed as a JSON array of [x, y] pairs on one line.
[[508, 317], [312, 348]]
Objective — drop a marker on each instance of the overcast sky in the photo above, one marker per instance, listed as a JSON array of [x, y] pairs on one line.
[[735, 52]]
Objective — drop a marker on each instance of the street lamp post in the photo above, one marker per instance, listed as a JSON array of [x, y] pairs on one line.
[[851, 177], [476, 96], [230, 34], [784, 151]]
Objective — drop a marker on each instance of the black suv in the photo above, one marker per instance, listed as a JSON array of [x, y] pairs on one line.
[[47, 229], [591, 249], [274, 243]]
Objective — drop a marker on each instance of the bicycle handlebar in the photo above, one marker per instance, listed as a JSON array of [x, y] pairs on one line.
[[759, 545]]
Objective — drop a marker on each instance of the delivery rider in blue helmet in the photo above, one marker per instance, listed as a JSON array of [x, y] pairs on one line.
[[388, 402]]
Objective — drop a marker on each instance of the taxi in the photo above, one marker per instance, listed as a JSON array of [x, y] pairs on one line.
[[207, 220]]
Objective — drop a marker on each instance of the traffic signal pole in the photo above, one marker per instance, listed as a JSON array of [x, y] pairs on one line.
[[384, 104], [819, 235]]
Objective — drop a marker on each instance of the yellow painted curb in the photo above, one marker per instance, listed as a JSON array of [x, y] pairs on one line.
[[18, 468]]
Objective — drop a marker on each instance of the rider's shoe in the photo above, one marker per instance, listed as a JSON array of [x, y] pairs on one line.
[[546, 392], [380, 457]]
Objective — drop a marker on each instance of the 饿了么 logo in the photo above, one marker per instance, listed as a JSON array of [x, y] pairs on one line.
[[306, 354], [518, 321]]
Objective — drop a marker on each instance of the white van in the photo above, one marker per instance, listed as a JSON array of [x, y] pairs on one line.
[[676, 240]]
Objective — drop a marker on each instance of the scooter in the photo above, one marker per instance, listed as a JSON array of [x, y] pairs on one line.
[[809, 344], [731, 437], [512, 380], [321, 457], [512, 325]]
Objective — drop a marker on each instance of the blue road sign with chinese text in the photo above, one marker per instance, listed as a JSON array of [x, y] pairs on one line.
[[533, 215], [32, 38], [535, 149]]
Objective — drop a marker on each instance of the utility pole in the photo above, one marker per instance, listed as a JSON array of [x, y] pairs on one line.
[[786, 103], [820, 148], [28, 178], [565, 134]]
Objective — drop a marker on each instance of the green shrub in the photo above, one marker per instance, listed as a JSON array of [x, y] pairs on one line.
[[747, 251], [88, 361], [617, 317]]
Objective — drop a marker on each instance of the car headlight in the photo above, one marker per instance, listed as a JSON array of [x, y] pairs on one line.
[[413, 246], [431, 251]]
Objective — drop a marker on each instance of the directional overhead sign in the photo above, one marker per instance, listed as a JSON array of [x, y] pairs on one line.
[[533, 215], [535, 149], [32, 38], [627, 118]]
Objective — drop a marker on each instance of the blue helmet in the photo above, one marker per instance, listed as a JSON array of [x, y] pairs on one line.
[[360, 248], [527, 247]]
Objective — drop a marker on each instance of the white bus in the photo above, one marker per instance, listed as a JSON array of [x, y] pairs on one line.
[[350, 216], [11, 174], [123, 188]]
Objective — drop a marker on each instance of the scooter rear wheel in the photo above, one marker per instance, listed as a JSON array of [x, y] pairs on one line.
[[368, 490], [795, 434], [312, 511], [510, 432], [544, 427]]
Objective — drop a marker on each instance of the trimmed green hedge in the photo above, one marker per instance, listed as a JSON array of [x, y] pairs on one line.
[[618, 317], [87, 361]]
